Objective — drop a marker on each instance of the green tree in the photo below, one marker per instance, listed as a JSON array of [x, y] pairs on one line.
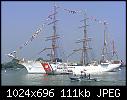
[[12, 64]]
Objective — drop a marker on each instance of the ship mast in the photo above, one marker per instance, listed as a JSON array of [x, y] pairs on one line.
[[114, 51], [85, 40], [54, 55], [104, 50], [54, 37]]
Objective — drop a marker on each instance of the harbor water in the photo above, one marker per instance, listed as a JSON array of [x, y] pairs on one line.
[[20, 77]]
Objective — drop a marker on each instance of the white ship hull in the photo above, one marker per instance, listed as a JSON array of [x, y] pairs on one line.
[[93, 69], [100, 68], [44, 67], [63, 68], [37, 67]]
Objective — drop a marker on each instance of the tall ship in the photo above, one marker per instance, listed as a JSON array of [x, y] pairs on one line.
[[56, 66]]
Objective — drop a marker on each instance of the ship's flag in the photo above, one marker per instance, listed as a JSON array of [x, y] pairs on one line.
[[10, 55], [26, 43], [35, 34], [98, 21], [32, 38], [51, 16], [72, 11]]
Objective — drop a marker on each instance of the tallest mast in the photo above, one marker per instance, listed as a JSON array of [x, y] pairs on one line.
[[54, 36], [54, 55]]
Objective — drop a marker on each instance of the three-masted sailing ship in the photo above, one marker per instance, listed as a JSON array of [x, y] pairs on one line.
[[56, 67]]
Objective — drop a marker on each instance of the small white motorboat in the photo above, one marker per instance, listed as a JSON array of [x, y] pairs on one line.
[[85, 77]]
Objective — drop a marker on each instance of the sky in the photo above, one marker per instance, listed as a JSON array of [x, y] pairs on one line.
[[20, 19]]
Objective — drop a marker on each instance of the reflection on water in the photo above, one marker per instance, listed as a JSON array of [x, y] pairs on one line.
[[20, 77]]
